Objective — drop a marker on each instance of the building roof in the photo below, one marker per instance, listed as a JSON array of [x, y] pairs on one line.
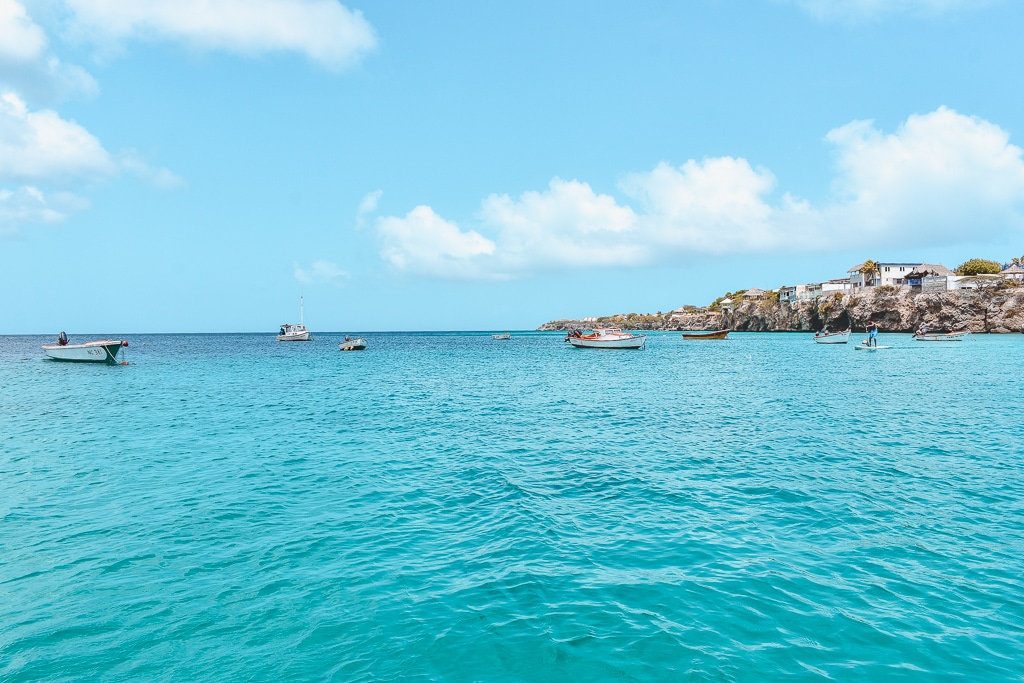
[[1013, 270], [856, 268], [931, 269], [752, 292]]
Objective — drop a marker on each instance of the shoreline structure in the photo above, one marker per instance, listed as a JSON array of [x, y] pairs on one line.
[[997, 309]]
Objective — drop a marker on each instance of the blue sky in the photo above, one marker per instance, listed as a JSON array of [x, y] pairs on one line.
[[177, 165]]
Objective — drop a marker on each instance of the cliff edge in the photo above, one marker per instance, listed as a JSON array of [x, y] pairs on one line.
[[997, 309]]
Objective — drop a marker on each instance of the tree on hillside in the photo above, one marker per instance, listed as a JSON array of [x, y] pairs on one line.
[[979, 266]]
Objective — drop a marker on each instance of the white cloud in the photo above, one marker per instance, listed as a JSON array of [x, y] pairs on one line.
[[324, 30], [40, 145], [712, 206], [161, 178], [568, 224], [941, 178], [26, 64], [876, 9], [21, 40], [29, 205], [320, 272], [424, 242], [39, 148], [369, 202]]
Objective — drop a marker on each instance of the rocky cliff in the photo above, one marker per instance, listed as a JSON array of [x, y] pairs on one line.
[[995, 309]]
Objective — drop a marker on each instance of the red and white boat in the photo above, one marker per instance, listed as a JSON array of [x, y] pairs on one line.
[[923, 335], [101, 351], [831, 337], [606, 338]]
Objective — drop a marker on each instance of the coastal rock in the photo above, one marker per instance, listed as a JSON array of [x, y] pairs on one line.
[[997, 310]]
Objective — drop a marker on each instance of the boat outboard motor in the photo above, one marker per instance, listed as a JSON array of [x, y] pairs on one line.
[[62, 338]]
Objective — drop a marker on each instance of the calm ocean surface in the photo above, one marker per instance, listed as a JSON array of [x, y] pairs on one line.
[[446, 507]]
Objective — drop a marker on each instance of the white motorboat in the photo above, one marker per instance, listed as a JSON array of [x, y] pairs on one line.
[[924, 335], [290, 332], [606, 338], [825, 337], [101, 351], [352, 344], [505, 335]]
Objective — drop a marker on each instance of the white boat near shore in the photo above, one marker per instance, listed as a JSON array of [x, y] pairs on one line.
[[100, 351], [606, 338], [922, 335], [831, 337]]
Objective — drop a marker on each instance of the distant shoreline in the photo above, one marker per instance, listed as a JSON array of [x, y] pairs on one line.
[[995, 310]]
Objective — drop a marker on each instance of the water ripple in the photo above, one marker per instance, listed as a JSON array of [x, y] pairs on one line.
[[445, 507]]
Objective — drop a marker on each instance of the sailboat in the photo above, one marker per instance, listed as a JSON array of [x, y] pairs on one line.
[[298, 332]]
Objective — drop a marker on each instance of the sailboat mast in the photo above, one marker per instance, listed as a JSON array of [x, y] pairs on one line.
[[300, 311]]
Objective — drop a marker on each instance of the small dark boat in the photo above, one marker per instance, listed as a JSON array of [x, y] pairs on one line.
[[713, 334]]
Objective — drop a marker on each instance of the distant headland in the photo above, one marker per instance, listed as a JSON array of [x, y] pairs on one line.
[[979, 296]]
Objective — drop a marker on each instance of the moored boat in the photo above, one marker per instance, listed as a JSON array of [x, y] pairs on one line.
[[290, 332], [352, 344], [505, 335], [100, 351], [710, 334], [925, 335], [606, 338], [825, 337]]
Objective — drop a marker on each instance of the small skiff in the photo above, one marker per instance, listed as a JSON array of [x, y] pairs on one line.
[[941, 336], [712, 334], [506, 335], [353, 344], [606, 338], [101, 351], [832, 337]]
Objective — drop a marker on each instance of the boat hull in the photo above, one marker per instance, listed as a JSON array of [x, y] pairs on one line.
[[357, 344], [299, 336], [633, 342], [507, 335], [104, 351], [949, 337], [716, 334], [834, 338], [865, 347]]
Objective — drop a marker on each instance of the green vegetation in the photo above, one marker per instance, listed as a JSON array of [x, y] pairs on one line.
[[737, 299], [979, 266], [886, 289]]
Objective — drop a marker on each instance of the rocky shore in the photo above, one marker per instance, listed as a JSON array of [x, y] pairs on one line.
[[992, 310]]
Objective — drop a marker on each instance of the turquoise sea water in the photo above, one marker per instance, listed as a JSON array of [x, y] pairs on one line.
[[446, 507]]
